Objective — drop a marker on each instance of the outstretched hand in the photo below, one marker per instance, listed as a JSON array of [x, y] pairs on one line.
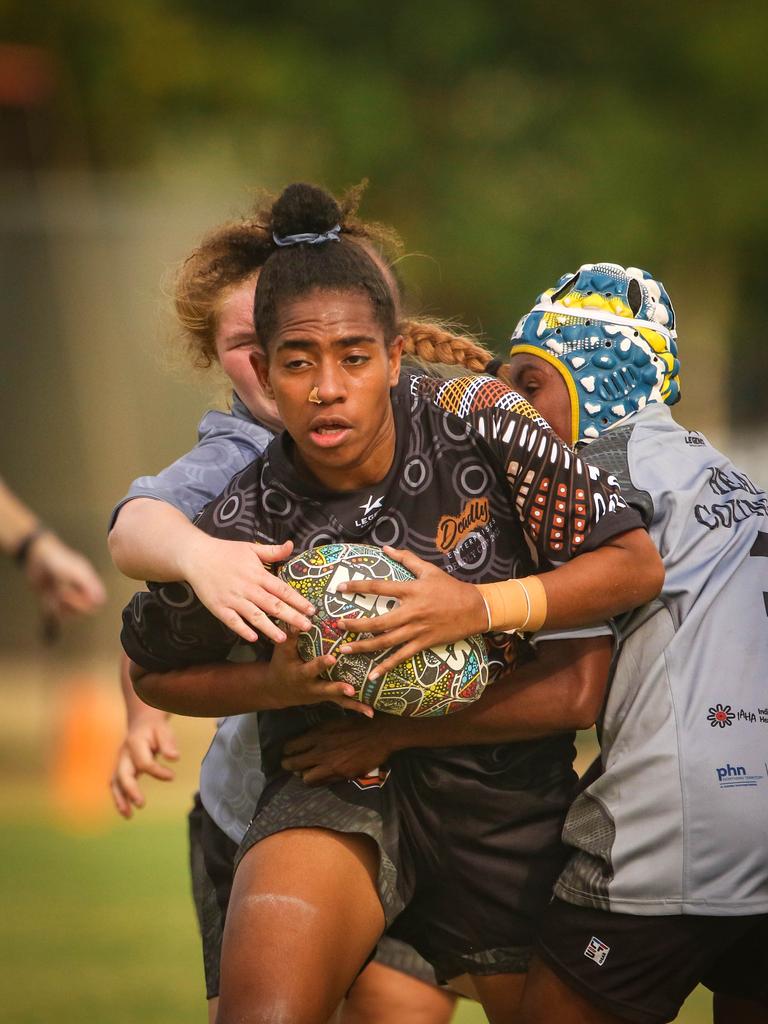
[[148, 737], [338, 750], [434, 609], [293, 682], [232, 581]]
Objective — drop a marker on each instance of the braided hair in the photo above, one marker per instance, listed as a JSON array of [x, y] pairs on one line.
[[432, 342]]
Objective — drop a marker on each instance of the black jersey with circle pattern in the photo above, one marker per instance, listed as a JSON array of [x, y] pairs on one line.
[[479, 486]]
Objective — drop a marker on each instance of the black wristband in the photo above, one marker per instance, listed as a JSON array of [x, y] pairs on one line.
[[21, 554], [494, 366]]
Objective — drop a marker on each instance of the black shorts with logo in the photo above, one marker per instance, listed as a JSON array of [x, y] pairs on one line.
[[469, 844], [643, 968], [212, 856]]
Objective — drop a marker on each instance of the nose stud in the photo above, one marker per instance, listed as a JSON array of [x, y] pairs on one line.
[[314, 398]]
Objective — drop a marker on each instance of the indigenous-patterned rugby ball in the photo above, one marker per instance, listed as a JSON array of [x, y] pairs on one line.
[[436, 681]]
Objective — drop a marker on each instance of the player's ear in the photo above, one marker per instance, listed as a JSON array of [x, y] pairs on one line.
[[394, 354], [260, 365]]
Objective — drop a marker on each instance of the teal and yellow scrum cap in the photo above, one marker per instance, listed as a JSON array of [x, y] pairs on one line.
[[610, 332]]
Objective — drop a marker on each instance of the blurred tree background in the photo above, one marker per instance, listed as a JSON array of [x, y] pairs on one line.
[[508, 143]]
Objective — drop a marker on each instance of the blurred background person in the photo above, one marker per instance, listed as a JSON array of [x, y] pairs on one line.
[[64, 581]]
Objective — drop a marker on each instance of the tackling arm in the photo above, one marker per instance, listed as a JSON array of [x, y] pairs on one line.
[[228, 688], [562, 690]]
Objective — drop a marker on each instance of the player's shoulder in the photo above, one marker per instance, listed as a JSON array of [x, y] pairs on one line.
[[673, 466], [472, 394], [660, 448], [232, 512], [613, 453], [235, 429]]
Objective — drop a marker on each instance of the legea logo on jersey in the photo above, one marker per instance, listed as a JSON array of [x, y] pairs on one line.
[[597, 950], [735, 776], [370, 510]]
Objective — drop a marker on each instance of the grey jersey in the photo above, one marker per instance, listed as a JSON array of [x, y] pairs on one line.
[[226, 443], [677, 822], [232, 780]]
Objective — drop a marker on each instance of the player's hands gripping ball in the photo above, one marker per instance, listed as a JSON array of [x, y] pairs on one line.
[[435, 681]]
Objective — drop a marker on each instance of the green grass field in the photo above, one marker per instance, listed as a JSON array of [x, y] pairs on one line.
[[98, 926]]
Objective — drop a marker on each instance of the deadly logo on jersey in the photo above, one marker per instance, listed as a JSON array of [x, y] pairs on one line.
[[451, 530], [465, 539]]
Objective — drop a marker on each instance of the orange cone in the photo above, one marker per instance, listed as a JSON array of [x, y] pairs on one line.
[[87, 732]]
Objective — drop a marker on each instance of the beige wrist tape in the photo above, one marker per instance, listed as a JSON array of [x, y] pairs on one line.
[[515, 604]]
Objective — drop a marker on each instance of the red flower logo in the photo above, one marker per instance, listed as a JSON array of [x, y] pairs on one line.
[[720, 715]]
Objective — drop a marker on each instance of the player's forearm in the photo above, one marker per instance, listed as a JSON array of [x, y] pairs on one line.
[[206, 691], [622, 574], [16, 520], [150, 539], [562, 690], [134, 706]]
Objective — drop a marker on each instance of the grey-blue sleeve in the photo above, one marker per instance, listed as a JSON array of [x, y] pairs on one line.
[[226, 444]]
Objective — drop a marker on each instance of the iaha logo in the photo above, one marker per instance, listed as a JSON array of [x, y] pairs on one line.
[[597, 950], [720, 715]]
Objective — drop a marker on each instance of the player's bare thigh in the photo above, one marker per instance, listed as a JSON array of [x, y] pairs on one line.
[[546, 998], [383, 995], [500, 995], [303, 916]]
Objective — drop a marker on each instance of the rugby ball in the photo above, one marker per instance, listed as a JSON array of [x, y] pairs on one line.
[[436, 681]]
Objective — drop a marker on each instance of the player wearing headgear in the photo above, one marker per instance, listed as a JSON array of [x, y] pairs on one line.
[[323, 870], [610, 333], [668, 884]]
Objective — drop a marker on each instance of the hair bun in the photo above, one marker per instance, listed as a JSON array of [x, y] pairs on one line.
[[303, 208]]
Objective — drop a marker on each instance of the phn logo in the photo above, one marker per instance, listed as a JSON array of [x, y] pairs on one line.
[[733, 776]]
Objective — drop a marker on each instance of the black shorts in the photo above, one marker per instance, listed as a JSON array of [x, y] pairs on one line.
[[212, 858], [469, 844], [643, 968]]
